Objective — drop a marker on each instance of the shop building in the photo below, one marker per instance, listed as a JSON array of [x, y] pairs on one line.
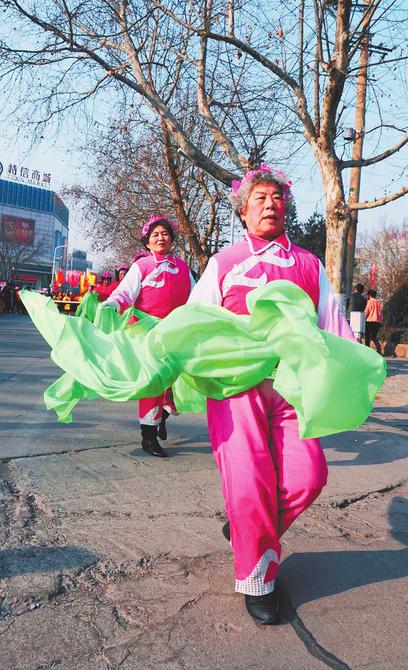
[[77, 260], [34, 224]]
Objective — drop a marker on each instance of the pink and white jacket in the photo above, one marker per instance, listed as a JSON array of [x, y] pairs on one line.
[[154, 284], [232, 273]]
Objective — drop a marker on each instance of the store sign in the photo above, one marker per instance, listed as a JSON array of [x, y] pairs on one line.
[[26, 175], [17, 230]]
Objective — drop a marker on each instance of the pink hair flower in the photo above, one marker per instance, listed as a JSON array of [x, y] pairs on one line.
[[156, 219]]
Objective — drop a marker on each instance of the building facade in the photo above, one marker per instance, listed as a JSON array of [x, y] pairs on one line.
[[34, 225], [78, 261]]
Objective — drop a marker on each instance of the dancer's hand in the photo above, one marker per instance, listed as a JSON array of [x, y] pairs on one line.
[[112, 305]]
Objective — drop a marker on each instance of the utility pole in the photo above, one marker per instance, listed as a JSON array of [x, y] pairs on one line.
[[355, 176]]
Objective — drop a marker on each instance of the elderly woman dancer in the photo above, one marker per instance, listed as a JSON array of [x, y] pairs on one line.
[[269, 475], [156, 283]]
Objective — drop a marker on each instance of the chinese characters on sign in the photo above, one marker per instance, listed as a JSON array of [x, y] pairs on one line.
[[34, 177], [16, 230]]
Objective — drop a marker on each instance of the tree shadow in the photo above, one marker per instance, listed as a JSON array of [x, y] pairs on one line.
[[368, 447], [310, 576], [10, 426], [181, 447], [26, 560], [392, 410], [397, 367]]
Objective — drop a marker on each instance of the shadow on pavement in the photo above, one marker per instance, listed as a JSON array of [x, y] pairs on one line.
[[367, 447], [7, 426], [311, 576], [176, 449], [393, 410], [26, 560], [399, 367]]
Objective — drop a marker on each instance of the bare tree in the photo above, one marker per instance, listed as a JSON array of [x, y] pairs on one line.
[[136, 171], [13, 256], [262, 72], [388, 250]]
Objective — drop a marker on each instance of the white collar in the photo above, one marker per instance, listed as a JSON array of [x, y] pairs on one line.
[[281, 241]]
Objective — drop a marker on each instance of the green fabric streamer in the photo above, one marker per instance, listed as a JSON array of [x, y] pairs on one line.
[[88, 305], [205, 350]]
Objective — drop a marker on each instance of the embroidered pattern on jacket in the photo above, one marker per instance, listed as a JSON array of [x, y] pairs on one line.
[[237, 275], [151, 278]]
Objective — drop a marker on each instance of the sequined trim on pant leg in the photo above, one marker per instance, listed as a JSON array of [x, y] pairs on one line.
[[150, 419], [254, 584]]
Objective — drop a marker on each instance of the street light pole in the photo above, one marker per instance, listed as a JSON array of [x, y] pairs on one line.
[[60, 246]]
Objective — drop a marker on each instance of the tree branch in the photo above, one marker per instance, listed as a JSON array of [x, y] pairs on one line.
[[219, 136], [370, 204], [337, 75], [301, 109], [375, 159]]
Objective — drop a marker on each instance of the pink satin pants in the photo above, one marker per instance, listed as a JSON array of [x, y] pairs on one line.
[[269, 477]]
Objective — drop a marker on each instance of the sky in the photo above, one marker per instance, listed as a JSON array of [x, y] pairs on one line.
[[66, 168], [57, 153]]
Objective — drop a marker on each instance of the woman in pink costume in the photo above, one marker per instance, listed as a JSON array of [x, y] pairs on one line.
[[269, 475], [156, 283], [105, 288]]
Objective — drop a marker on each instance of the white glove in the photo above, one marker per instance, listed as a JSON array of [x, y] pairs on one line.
[[112, 304]]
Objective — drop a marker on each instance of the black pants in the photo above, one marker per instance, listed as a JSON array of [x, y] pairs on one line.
[[371, 334]]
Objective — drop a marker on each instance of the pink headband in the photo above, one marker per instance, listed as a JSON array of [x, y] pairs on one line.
[[281, 178], [157, 219]]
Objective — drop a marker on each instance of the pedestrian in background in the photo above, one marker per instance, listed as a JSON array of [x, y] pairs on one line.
[[374, 319], [357, 317]]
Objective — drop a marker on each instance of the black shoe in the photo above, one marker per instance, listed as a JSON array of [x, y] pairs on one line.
[[226, 531], [265, 609], [153, 447], [162, 432]]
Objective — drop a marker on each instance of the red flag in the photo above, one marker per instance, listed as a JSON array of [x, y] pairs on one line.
[[59, 278], [72, 278]]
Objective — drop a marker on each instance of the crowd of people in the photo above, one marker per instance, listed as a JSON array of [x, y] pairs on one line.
[[10, 302], [67, 301]]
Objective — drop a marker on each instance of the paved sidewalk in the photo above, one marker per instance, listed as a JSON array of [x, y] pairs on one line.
[[112, 559]]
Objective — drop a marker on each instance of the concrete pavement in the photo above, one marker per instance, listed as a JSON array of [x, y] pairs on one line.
[[110, 558]]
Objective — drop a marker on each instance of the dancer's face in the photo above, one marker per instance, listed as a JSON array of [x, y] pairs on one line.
[[160, 240], [264, 212]]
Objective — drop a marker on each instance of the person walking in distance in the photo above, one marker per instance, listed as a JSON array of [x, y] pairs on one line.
[[374, 319], [357, 316]]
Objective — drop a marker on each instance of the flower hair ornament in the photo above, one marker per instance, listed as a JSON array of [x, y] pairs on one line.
[[276, 175], [158, 219]]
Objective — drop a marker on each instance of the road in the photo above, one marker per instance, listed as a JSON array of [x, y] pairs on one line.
[[110, 558]]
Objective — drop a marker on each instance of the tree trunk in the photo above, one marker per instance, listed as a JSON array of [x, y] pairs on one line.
[[187, 230], [338, 220], [337, 227]]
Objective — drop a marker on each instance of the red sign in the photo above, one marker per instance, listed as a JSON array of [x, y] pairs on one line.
[[17, 230]]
